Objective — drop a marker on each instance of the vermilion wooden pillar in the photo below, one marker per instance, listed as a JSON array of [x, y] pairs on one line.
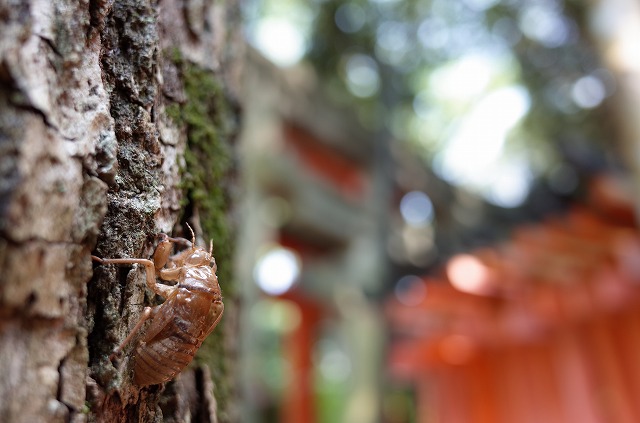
[[298, 401]]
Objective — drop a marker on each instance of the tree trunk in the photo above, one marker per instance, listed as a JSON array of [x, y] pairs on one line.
[[116, 123]]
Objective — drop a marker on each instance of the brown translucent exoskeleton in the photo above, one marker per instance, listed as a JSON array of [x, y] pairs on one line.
[[191, 310]]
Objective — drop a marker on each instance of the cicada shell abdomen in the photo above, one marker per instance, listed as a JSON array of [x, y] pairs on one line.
[[160, 361], [166, 351]]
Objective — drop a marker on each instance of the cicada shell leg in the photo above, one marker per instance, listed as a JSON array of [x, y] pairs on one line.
[[148, 313], [150, 270]]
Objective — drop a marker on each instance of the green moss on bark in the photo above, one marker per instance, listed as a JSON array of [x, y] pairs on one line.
[[210, 122]]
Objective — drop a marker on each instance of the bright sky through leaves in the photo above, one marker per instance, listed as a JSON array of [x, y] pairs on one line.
[[456, 79]]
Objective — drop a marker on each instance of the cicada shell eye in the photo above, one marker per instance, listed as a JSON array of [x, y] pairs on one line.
[[214, 266], [199, 258]]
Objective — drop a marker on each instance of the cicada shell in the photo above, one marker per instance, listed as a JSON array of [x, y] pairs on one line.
[[192, 309]]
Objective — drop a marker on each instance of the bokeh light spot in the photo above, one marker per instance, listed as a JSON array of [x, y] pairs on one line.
[[350, 18], [335, 365], [276, 315], [468, 274], [410, 290], [280, 41], [416, 208], [433, 33], [545, 25], [588, 92], [363, 79], [277, 270]]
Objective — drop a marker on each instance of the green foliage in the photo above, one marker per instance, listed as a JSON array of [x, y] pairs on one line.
[[412, 41]]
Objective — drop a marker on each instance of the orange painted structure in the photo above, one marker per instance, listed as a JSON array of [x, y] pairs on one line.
[[298, 403], [548, 329]]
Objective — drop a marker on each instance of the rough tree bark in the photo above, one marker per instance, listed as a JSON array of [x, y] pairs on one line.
[[116, 123]]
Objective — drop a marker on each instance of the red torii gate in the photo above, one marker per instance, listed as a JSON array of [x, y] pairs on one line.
[[548, 329]]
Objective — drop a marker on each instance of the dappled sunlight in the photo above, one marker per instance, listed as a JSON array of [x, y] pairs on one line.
[[473, 157], [464, 79]]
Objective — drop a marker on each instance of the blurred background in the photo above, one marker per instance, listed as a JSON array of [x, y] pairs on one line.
[[438, 218]]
